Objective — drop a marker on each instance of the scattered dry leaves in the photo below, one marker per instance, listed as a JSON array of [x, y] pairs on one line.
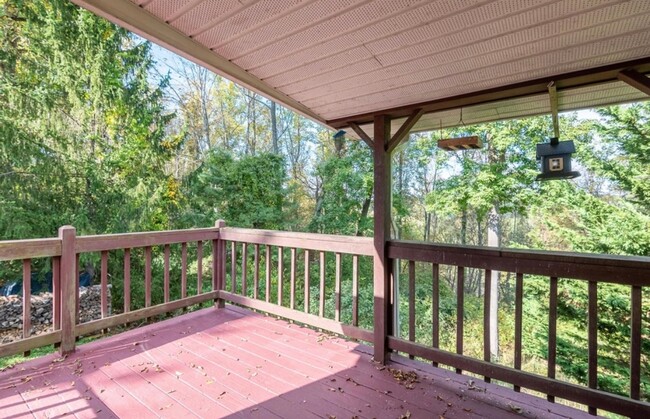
[[406, 378]]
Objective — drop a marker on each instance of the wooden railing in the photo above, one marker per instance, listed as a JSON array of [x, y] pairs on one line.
[[64, 254], [556, 267], [324, 281], [293, 264]]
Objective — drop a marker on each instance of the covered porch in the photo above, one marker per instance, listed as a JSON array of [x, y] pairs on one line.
[[378, 70]]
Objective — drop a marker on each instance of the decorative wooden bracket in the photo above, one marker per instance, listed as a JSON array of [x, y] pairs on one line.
[[552, 93], [403, 132], [362, 134], [636, 80]]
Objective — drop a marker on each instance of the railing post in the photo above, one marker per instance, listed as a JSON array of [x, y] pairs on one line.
[[218, 264], [381, 265], [68, 277]]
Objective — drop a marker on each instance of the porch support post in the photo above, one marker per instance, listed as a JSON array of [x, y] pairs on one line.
[[381, 264], [68, 276]]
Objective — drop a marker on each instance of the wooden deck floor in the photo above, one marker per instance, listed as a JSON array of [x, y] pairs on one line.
[[235, 363]]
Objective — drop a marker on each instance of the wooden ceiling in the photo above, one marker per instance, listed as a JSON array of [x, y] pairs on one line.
[[341, 61]]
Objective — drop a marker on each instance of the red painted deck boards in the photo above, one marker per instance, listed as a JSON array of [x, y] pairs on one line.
[[235, 363]]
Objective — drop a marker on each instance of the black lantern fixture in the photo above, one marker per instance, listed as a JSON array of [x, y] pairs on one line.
[[555, 157]]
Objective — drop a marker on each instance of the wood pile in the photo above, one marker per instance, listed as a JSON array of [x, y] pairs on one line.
[[11, 312]]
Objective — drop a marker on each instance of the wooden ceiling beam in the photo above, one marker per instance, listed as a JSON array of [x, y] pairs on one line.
[[552, 94], [635, 79], [362, 134], [403, 131], [539, 86]]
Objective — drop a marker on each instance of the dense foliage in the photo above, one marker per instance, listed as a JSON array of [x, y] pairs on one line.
[[96, 134]]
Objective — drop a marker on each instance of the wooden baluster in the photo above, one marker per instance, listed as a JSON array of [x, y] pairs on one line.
[[486, 318], [552, 332], [292, 302], [593, 339], [27, 300], [199, 267], [183, 270], [411, 303], [244, 256], [321, 305], [233, 267], [104, 284], [219, 269], [56, 294], [355, 290], [337, 289], [166, 273], [147, 276], [280, 271], [460, 312], [127, 280], [519, 297], [435, 309], [268, 273], [256, 273], [306, 302], [635, 346], [76, 292], [219, 264]]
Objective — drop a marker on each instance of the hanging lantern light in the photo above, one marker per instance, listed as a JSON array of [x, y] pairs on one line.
[[555, 158]]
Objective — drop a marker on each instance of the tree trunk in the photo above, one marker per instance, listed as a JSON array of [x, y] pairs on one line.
[[274, 128], [494, 241], [364, 213]]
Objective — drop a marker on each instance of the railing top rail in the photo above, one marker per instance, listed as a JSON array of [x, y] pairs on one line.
[[144, 239], [630, 270], [319, 242], [29, 249]]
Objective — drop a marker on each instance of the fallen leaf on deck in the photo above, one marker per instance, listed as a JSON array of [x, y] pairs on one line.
[[406, 415], [72, 383], [102, 390], [515, 408], [145, 369]]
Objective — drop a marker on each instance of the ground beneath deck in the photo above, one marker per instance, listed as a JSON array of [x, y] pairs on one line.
[[236, 363]]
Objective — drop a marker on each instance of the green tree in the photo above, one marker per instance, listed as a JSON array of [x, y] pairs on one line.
[[246, 191]]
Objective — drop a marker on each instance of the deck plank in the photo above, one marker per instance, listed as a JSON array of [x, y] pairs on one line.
[[235, 363]]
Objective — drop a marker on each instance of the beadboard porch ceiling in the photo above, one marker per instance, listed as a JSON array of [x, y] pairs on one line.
[[341, 61]]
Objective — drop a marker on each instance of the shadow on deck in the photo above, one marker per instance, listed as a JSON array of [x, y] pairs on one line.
[[236, 363]]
